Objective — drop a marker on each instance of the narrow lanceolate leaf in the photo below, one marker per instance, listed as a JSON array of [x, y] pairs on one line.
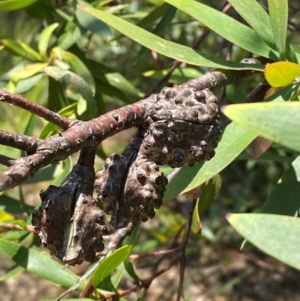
[[287, 189], [75, 64], [164, 47], [281, 74], [279, 19], [155, 14], [275, 235], [5, 217], [278, 122], [45, 39], [38, 263], [21, 49], [76, 85], [15, 4], [65, 169], [89, 23], [209, 193], [13, 272], [160, 27], [179, 75], [27, 71], [109, 264], [226, 27], [254, 14]]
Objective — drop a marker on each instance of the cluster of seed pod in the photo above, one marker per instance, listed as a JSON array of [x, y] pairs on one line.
[[130, 191], [180, 128], [183, 127]]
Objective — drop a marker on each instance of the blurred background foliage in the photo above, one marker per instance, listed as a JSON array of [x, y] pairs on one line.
[[55, 54]]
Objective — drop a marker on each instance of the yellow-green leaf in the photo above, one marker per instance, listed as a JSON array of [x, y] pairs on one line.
[[45, 38], [109, 264], [170, 49], [278, 10], [279, 122], [27, 71], [38, 263], [275, 235], [5, 217], [75, 65], [280, 74], [15, 4], [21, 49]]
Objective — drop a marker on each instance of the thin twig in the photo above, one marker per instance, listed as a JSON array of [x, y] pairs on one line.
[[134, 257], [20, 101], [6, 161], [146, 283], [22, 142], [182, 247], [14, 227], [180, 257], [84, 134]]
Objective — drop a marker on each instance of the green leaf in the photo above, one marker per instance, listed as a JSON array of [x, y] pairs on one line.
[[109, 264], [154, 15], [131, 239], [16, 235], [112, 92], [119, 81], [196, 221], [209, 193], [56, 95], [254, 14], [160, 27], [10, 205], [45, 39], [13, 272], [167, 48], [15, 4], [50, 128], [273, 234], [92, 24], [179, 75], [38, 263], [66, 168], [281, 74], [287, 189], [227, 27], [279, 19], [278, 122], [24, 85], [233, 141], [5, 217], [42, 10], [75, 64], [43, 174], [75, 84], [21, 49], [30, 128], [27, 71], [69, 38], [116, 278]]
